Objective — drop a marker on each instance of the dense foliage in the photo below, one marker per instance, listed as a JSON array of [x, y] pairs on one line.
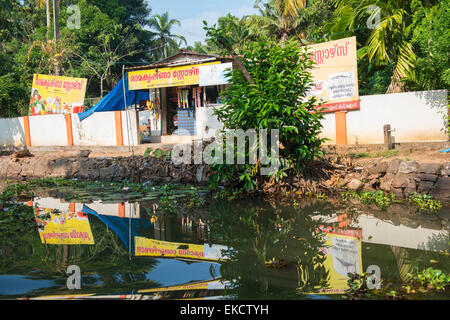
[[276, 100], [407, 49], [112, 34]]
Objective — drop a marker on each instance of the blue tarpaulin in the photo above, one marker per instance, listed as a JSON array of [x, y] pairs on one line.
[[121, 226], [114, 101]]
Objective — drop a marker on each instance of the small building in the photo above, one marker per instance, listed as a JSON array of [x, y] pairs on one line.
[[184, 89]]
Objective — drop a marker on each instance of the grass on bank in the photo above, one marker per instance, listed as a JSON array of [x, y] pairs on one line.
[[380, 154]]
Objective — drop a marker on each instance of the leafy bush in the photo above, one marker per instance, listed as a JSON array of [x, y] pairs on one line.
[[277, 100]]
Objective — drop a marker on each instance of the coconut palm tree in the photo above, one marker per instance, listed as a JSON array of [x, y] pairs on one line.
[[166, 42], [389, 39], [277, 17]]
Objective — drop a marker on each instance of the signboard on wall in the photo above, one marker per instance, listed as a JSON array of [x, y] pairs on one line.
[[165, 77], [57, 95], [336, 74], [214, 75]]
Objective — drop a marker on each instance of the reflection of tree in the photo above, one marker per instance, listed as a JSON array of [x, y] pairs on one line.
[[263, 237], [437, 242], [411, 261]]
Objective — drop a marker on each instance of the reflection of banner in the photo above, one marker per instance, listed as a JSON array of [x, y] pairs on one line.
[[64, 228], [213, 75], [336, 74], [57, 95], [205, 285], [157, 248], [165, 77], [343, 255]]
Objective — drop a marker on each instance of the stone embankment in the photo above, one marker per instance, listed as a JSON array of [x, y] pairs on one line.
[[77, 164], [402, 178]]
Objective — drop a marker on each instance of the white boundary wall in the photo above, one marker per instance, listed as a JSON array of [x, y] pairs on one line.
[[48, 130], [130, 127], [99, 129], [12, 132], [207, 124], [51, 130], [415, 117]]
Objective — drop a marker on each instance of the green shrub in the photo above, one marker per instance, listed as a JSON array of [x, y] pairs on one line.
[[277, 100]]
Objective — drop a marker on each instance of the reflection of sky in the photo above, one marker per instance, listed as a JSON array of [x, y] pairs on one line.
[[170, 272], [13, 284]]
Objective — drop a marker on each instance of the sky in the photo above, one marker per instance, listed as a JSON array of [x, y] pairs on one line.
[[191, 14]]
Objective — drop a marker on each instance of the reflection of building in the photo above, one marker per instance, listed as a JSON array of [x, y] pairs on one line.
[[129, 222], [385, 232], [122, 218]]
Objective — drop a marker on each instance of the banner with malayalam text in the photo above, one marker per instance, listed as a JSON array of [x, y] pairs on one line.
[[56, 95], [335, 74], [159, 248], [63, 228], [165, 77]]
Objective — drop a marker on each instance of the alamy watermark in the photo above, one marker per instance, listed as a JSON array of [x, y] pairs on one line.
[[374, 20], [74, 279], [74, 19], [223, 149]]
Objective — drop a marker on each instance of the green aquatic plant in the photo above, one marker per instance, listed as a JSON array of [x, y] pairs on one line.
[[168, 204], [431, 279], [381, 199], [425, 203], [321, 197], [357, 287], [195, 201], [346, 195], [16, 218]]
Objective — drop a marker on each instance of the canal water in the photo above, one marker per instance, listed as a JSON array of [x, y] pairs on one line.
[[242, 249]]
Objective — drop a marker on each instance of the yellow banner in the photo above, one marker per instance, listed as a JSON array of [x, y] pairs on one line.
[[63, 228], [335, 74], [205, 285], [57, 95], [165, 77], [157, 248], [343, 256]]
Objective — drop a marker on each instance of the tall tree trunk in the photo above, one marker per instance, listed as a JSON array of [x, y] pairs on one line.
[[56, 32], [101, 87], [56, 19], [395, 86], [49, 18], [238, 62]]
